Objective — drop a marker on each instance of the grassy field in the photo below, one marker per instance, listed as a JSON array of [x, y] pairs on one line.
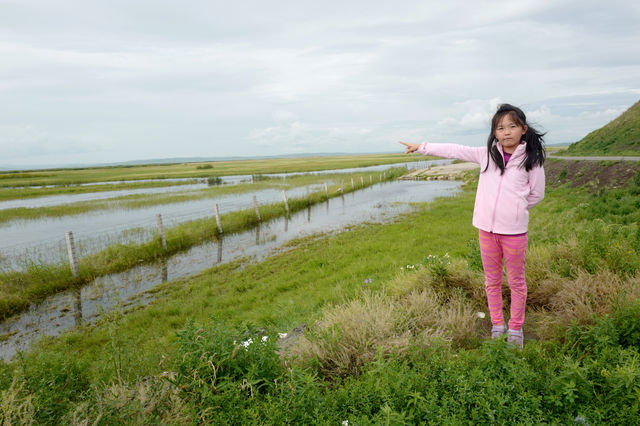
[[393, 333], [185, 170]]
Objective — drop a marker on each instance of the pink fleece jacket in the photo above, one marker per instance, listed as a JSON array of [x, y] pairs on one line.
[[502, 201]]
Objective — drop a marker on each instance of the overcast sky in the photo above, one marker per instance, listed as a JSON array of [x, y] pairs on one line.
[[107, 81]]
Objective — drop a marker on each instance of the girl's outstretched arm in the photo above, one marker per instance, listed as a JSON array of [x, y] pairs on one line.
[[448, 150]]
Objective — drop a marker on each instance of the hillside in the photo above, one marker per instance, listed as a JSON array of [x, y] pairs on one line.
[[619, 137]]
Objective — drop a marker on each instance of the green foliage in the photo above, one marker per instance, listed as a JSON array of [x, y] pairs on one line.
[[474, 259], [224, 364], [214, 180], [56, 383], [438, 266]]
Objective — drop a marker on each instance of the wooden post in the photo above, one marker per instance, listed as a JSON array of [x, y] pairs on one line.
[[342, 187], [370, 180], [286, 203], [218, 219], [161, 230], [384, 175], [352, 185], [71, 249], [255, 204], [326, 190], [308, 195], [362, 181]]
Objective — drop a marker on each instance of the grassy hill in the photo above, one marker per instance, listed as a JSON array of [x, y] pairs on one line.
[[619, 137]]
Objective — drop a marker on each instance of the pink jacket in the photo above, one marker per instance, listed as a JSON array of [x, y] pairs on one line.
[[502, 201]]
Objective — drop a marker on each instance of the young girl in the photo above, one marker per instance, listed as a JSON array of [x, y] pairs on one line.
[[511, 182]]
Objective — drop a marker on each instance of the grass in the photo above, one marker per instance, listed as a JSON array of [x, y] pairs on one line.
[[146, 200], [36, 281], [581, 361], [194, 170], [619, 137]]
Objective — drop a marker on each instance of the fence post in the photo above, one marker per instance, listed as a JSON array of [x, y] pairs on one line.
[[370, 180], [326, 190], [71, 249], [362, 181], [255, 204], [342, 187], [286, 203], [308, 196], [161, 230], [218, 219], [352, 185]]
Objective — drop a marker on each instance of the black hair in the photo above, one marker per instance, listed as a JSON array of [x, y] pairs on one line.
[[534, 149]]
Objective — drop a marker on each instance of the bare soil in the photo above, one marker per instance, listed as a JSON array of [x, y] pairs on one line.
[[600, 174]]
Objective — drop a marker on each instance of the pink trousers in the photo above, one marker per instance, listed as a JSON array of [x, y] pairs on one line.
[[493, 248]]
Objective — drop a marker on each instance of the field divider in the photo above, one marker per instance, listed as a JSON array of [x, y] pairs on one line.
[[24, 287]]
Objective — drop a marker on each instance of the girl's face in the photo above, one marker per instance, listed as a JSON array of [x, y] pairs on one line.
[[509, 133]]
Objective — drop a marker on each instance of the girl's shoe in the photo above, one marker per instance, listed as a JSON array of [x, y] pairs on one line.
[[498, 331], [516, 338]]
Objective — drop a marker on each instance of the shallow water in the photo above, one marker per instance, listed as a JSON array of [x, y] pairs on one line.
[[56, 200], [42, 240], [379, 203]]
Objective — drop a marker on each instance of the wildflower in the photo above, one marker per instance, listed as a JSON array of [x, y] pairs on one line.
[[265, 338], [368, 281], [480, 314], [282, 335], [246, 343], [345, 423]]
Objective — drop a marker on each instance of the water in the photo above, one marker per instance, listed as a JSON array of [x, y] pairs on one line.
[[56, 200], [379, 203], [42, 240]]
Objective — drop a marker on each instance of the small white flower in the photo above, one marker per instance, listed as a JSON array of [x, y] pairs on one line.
[[246, 343], [282, 335], [345, 423], [265, 338], [480, 314]]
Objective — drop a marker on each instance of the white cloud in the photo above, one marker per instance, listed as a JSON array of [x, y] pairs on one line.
[[140, 79]]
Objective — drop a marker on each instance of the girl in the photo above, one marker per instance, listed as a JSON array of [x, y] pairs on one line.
[[511, 182]]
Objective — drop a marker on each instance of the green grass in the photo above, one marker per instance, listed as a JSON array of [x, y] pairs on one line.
[[184, 368], [619, 137], [36, 281], [193, 170]]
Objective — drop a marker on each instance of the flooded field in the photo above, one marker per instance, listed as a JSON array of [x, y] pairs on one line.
[[379, 203], [42, 240]]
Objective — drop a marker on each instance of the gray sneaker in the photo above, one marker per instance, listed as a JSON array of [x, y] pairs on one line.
[[516, 338], [498, 331]]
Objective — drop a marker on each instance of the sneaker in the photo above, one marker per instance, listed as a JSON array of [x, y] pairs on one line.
[[498, 331], [516, 338]]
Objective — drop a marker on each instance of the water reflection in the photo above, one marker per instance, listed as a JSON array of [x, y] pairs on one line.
[[51, 317]]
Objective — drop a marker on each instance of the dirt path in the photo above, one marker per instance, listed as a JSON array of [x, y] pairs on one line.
[[446, 172]]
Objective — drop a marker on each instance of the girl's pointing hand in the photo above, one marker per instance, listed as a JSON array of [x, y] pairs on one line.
[[410, 147]]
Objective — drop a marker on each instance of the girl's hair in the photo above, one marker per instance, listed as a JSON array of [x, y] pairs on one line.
[[535, 153]]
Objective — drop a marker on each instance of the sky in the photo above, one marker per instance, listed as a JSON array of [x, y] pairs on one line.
[[85, 82]]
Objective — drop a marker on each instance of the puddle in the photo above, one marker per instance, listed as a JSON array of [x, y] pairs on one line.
[[379, 203]]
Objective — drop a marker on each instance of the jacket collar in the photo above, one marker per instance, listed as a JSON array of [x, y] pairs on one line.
[[520, 150]]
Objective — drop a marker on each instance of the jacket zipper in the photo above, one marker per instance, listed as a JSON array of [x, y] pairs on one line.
[[495, 206]]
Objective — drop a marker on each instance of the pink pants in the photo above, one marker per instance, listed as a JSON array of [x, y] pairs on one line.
[[493, 247]]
